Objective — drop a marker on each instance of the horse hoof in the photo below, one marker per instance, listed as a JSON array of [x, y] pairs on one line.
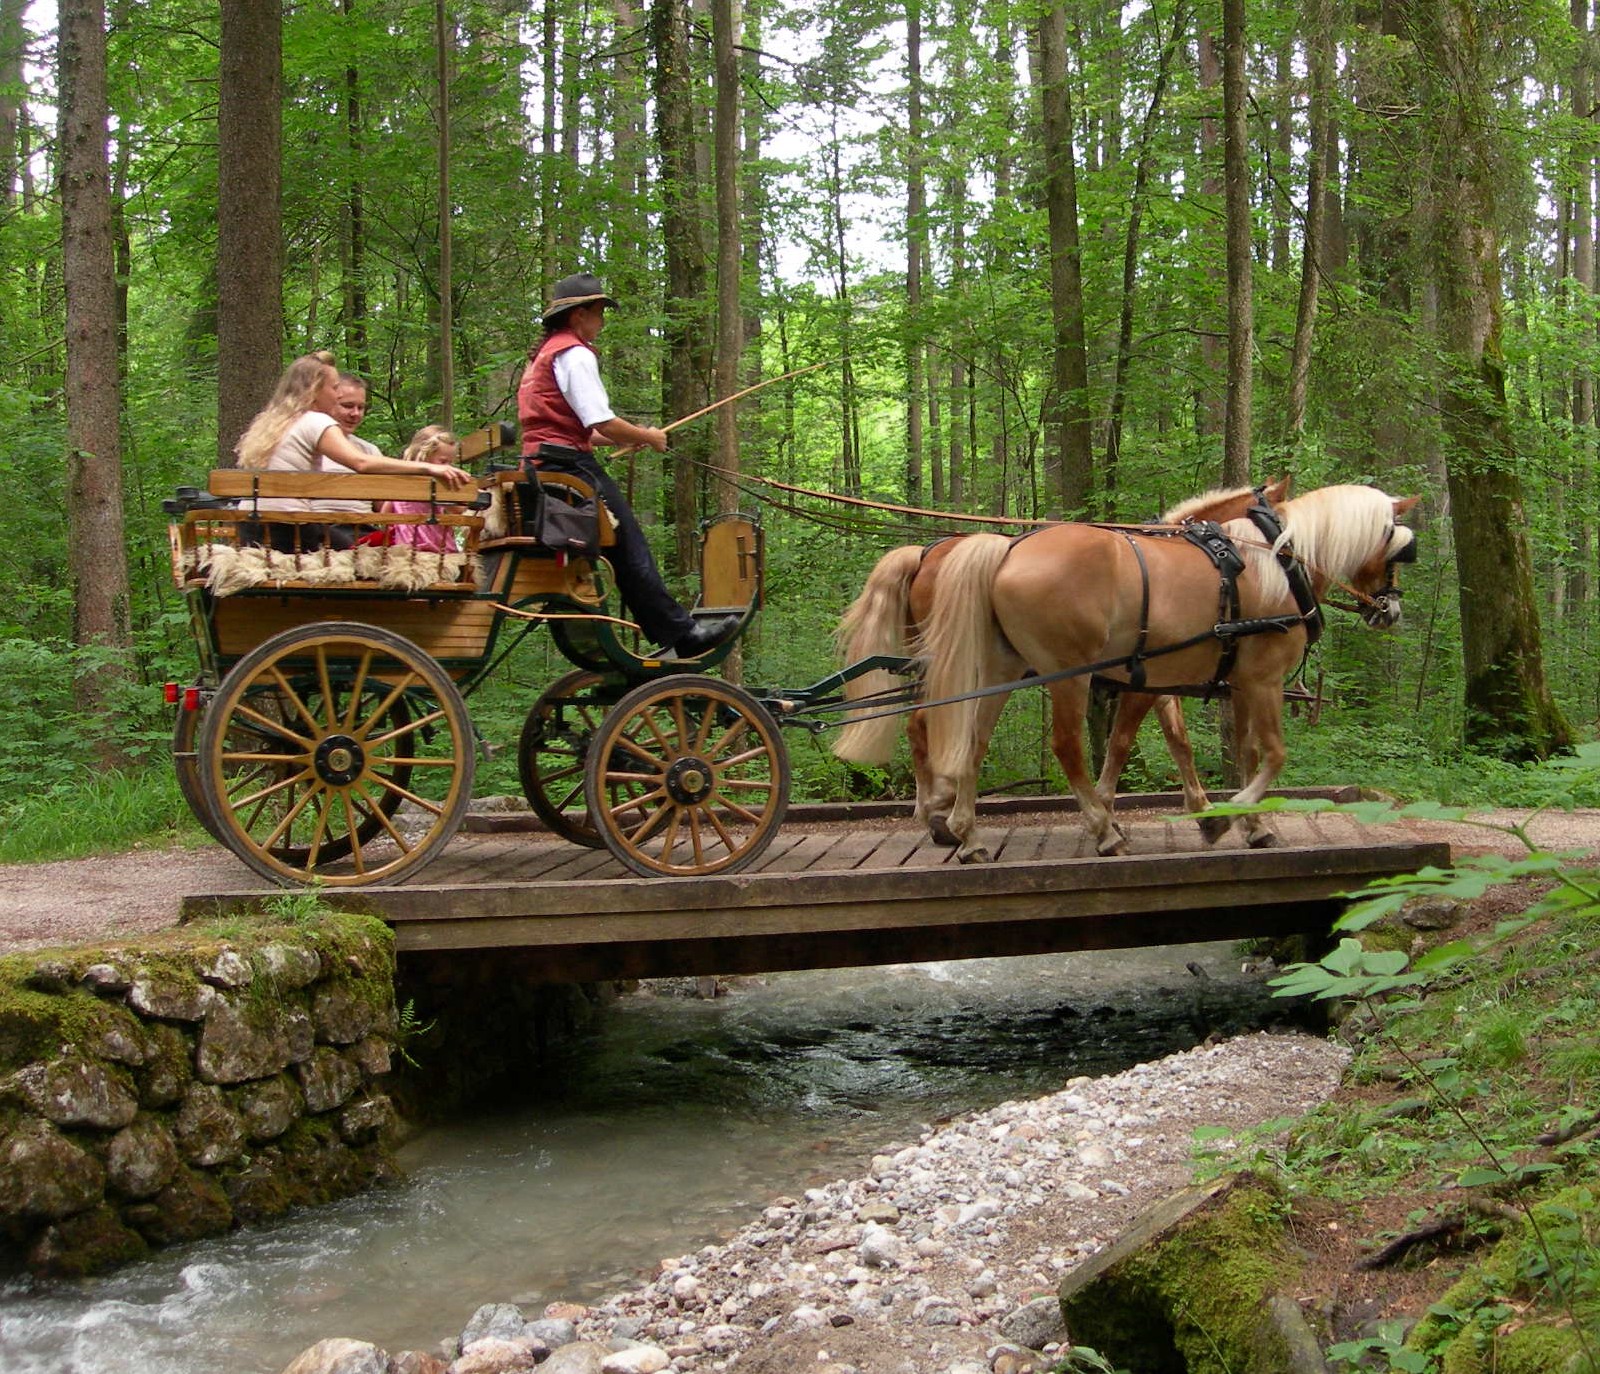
[[939, 829], [1263, 839], [1112, 849], [1213, 828], [980, 855]]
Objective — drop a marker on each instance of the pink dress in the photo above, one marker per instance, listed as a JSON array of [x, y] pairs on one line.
[[433, 538]]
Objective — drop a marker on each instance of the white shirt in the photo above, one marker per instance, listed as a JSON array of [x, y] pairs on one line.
[[328, 465], [297, 452], [577, 373]]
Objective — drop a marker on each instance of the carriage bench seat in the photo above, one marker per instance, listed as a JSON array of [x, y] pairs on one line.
[[504, 529], [207, 550]]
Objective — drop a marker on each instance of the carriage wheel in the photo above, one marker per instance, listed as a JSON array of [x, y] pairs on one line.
[[687, 776], [553, 749], [316, 739], [186, 763]]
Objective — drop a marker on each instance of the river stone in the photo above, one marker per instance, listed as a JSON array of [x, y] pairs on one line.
[[240, 1040], [119, 1035], [495, 1356], [43, 1174], [208, 1130], [170, 997], [1035, 1324], [289, 966], [74, 1091], [494, 1320], [268, 1109], [106, 979], [84, 1244], [636, 1359], [373, 1054], [141, 1158], [328, 1079], [884, 1212], [298, 1034], [581, 1357], [553, 1331], [343, 1013], [190, 1207], [369, 1119], [339, 1356], [166, 1072], [229, 969], [416, 1362], [50, 975]]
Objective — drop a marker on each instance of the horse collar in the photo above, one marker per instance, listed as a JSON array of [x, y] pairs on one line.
[[1266, 521]]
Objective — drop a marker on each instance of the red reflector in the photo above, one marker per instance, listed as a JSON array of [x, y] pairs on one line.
[[191, 698], [170, 691]]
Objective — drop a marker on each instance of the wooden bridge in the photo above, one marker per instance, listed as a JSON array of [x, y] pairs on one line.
[[851, 885]]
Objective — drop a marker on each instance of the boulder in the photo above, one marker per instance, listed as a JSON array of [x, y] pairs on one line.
[[241, 1040], [581, 1357], [291, 967], [74, 1091], [328, 1079], [339, 1356], [170, 996], [343, 1012], [165, 1075], [44, 1175], [207, 1129], [189, 1207], [84, 1244], [269, 1108], [141, 1158]]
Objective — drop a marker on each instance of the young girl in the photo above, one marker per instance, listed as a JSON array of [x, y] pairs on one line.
[[429, 445]]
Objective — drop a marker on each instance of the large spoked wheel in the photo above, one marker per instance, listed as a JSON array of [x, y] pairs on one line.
[[315, 742], [687, 776], [186, 763], [553, 750]]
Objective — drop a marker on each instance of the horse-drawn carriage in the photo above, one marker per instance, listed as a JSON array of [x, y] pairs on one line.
[[328, 740]]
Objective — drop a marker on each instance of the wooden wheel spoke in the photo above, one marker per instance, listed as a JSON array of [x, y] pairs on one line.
[[290, 816], [265, 793], [722, 830], [731, 734], [663, 813], [669, 841], [708, 717], [269, 728], [744, 784], [648, 720], [410, 761], [357, 856], [743, 813], [380, 815], [390, 785], [407, 728], [357, 687], [759, 752], [638, 751], [299, 707], [679, 722], [696, 843]]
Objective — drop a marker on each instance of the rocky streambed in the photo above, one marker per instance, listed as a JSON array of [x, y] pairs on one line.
[[943, 1259]]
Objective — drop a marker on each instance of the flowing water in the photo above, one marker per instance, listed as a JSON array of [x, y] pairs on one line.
[[666, 1129]]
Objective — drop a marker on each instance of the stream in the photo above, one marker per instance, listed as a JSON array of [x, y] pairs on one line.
[[664, 1130]]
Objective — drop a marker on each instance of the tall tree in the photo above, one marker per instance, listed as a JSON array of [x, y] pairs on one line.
[[444, 40], [916, 250], [98, 558], [12, 43], [1509, 708], [249, 215], [730, 311], [1319, 28], [1069, 459], [1241, 295]]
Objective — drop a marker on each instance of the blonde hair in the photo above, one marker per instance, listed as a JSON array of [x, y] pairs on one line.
[[293, 397], [424, 441]]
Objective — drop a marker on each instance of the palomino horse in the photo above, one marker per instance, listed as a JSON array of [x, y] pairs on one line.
[[896, 600], [1074, 595]]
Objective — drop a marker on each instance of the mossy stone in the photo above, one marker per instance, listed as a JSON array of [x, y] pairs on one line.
[[87, 1243], [192, 1206]]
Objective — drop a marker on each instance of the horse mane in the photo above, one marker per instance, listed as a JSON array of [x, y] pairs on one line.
[[1334, 530], [1187, 510]]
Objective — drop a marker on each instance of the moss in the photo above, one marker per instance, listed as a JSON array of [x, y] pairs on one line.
[[87, 1243]]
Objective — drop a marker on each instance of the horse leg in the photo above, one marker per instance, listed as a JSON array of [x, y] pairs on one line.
[[1127, 713], [1258, 727], [1169, 711], [935, 796], [963, 815], [1069, 699]]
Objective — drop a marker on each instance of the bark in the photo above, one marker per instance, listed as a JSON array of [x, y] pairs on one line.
[[443, 38], [1320, 56], [730, 312], [753, 200], [549, 168], [1241, 295], [1580, 532], [1282, 154], [1211, 409], [1509, 708], [1069, 461], [97, 554], [687, 370], [354, 247], [1143, 164], [249, 218], [916, 251], [12, 40]]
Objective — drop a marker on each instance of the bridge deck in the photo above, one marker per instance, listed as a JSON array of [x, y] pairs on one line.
[[829, 893]]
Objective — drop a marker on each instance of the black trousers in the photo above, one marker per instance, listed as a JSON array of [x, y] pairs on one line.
[[296, 538], [662, 619]]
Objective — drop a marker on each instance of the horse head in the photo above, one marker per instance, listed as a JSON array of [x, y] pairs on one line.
[[1377, 581]]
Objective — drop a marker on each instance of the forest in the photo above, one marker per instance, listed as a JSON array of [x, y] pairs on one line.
[[1004, 258]]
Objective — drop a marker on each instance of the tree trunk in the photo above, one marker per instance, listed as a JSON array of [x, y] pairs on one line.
[[12, 42], [1509, 709], [1069, 461], [444, 38], [1320, 58], [1241, 295], [549, 169], [687, 369], [358, 358], [97, 553], [730, 311], [249, 216], [916, 251], [1211, 407]]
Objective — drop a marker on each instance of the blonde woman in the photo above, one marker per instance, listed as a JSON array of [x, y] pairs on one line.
[[295, 432], [432, 441]]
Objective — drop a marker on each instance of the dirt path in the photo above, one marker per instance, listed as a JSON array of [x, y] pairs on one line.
[[116, 896]]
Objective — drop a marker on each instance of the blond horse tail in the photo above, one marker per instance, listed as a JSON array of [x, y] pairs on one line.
[[876, 624], [962, 644]]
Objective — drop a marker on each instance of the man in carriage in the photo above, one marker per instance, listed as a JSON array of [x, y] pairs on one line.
[[563, 407]]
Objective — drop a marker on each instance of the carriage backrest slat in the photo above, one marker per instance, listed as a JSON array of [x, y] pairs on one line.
[[244, 484]]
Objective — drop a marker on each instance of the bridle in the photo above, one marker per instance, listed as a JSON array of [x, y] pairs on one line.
[[1382, 607]]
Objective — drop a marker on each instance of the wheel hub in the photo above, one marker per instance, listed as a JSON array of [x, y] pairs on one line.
[[690, 780], [339, 760]]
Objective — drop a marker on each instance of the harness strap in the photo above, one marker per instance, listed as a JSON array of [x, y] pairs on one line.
[[1136, 658], [1265, 519]]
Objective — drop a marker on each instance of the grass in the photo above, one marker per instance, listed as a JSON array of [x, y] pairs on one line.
[[100, 813]]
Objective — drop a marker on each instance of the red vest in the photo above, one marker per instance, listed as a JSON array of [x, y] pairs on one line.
[[543, 410]]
